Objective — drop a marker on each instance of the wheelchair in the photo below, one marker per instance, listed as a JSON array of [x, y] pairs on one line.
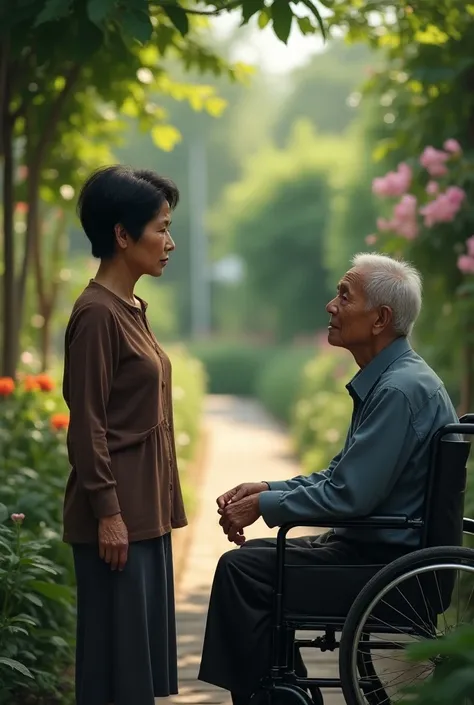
[[391, 606]]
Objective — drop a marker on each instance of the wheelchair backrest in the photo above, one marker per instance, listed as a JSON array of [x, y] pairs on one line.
[[444, 503]]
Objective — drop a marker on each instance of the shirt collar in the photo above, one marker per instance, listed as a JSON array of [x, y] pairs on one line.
[[366, 379]]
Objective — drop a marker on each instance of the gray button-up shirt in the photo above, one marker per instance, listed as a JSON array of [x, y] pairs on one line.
[[399, 404]]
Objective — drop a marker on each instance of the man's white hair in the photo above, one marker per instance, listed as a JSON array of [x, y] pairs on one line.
[[393, 283]]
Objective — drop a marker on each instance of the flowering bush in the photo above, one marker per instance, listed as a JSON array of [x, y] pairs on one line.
[[35, 609], [432, 224], [431, 194], [34, 464]]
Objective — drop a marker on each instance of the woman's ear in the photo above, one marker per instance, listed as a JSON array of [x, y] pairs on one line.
[[121, 236]]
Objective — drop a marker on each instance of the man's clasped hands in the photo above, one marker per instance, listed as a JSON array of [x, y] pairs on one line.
[[238, 508]]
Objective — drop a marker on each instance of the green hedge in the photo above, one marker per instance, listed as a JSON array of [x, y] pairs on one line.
[[37, 608], [279, 381], [232, 368], [323, 410]]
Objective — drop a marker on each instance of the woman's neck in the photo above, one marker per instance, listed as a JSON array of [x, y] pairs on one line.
[[118, 278]]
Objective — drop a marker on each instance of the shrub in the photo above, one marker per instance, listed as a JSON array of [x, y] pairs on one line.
[[453, 680], [323, 410], [232, 368], [189, 386], [34, 612], [278, 384]]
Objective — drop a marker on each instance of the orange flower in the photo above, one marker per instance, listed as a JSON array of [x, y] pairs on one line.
[[7, 385], [31, 383], [45, 382], [59, 421], [21, 207]]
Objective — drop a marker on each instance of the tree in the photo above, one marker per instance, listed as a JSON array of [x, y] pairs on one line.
[[58, 56], [276, 218], [425, 92]]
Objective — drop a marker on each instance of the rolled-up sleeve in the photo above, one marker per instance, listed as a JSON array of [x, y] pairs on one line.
[[92, 347], [362, 477]]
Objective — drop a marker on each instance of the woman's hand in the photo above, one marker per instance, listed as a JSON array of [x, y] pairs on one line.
[[113, 541]]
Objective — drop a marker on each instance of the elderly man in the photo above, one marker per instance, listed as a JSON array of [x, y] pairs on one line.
[[399, 404]]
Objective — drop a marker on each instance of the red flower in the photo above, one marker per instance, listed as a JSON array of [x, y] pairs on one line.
[[7, 386], [59, 421], [45, 382], [31, 383], [21, 207]]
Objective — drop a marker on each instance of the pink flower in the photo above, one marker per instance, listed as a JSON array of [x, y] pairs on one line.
[[470, 246], [384, 225], [404, 217], [434, 161], [466, 264], [455, 195], [432, 188], [404, 220], [452, 146], [444, 208], [18, 518], [371, 239], [395, 183]]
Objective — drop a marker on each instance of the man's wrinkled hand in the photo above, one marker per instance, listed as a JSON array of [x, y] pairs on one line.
[[237, 515], [243, 490]]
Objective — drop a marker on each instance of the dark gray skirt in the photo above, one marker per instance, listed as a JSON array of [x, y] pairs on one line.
[[126, 630]]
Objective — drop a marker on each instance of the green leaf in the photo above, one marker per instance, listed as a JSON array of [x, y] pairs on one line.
[[34, 599], [282, 18], [3, 513], [165, 137], [53, 591], [138, 26], [58, 641], [53, 10], [310, 5], [305, 25], [16, 666], [178, 17], [264, 18], [98, 10], [250, 8]]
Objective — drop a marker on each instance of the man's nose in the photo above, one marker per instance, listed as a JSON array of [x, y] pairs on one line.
[[331, 307]]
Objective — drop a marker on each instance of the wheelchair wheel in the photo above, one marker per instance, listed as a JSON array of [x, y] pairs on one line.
[[422, 596], [281, 694]]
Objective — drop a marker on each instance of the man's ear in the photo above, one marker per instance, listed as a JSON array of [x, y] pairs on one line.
[[121, 236], [383, 320]]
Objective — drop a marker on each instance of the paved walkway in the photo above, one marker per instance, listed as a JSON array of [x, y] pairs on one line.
[[244, 445]]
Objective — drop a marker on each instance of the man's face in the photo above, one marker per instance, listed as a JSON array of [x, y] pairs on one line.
[[351, 324]]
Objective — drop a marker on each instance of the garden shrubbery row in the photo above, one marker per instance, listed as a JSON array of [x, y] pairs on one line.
[[37, 600]]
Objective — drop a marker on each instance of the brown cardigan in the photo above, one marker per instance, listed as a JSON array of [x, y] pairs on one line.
[[117, 385]]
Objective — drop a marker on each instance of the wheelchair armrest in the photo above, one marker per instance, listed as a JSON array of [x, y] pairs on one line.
[[468, 526], [371, 522]]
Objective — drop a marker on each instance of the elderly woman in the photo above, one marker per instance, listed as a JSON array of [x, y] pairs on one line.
[[123, 495]]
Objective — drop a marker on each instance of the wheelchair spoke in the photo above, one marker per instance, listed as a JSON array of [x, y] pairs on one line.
[[426, 602]]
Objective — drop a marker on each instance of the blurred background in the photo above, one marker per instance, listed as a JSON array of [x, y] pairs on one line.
[[292, 152]]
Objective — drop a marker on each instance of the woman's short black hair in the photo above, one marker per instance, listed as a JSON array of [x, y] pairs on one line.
[[120, 194]]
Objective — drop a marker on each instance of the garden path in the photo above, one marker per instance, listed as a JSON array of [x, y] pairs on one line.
[[244, 444]]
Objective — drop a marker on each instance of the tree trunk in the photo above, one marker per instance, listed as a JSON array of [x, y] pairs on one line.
[[9, 293], [45, 340]]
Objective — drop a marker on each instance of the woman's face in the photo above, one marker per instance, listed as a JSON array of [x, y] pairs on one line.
[[150, 254]]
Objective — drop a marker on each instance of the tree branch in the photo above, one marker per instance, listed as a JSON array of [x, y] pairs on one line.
[[55, 114]]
